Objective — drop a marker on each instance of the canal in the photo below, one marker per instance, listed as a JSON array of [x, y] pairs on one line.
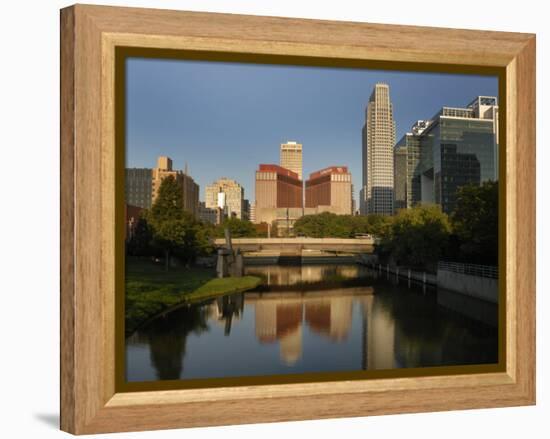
[[315, 318]]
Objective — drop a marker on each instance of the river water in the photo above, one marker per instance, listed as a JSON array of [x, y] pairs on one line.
[[315, 318]]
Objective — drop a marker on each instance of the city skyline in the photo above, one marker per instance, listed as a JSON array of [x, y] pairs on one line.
[[256, 108]]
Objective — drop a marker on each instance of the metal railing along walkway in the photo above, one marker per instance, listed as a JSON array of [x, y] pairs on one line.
[[471, 269]]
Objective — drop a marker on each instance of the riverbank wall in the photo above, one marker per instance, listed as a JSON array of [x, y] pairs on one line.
[[478, 281], [397, 272]]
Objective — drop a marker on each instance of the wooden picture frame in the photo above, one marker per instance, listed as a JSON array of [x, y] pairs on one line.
[[91, 402]]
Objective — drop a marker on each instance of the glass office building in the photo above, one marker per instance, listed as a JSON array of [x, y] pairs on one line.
[[458, 146], [400, 176], [408, 167], [465, 154]]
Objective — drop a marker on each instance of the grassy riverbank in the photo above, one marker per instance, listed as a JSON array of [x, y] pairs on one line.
[[150, 289]]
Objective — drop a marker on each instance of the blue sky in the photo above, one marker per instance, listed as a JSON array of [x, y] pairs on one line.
[[223, 119]]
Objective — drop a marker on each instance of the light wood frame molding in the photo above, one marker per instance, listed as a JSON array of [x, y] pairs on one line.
[[89, 36]]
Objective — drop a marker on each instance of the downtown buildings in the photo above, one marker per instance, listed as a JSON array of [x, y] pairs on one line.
[[142, 185], [224, 197], [281, 198], [280, 195], [376, 195], [228, 196], [458, 146]]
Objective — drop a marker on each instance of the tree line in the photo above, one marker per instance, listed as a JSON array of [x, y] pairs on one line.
[[420, 236], [416, 237]]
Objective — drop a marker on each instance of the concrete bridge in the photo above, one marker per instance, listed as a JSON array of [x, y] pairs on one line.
[[298, 245], [292, 251]]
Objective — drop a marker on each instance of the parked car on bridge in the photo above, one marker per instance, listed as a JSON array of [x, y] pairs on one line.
[[363, 236]]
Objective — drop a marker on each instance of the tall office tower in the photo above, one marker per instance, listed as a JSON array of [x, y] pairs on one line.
[[459, 147], [400, 177], [408, 175], [190, 189], [291, 157], [138, 187], [329, 190], [378, 143], [233, 197], [279, 195]]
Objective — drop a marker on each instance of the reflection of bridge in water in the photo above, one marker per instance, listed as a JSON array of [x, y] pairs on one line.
[[292, 275]]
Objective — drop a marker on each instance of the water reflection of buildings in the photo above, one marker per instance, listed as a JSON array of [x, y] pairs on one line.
[[281, 319], [378, 335], [330, 316], [385, 330], [391, 336], [293, 275]]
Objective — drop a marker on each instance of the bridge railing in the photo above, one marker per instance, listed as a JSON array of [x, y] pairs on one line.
[[488, 271]]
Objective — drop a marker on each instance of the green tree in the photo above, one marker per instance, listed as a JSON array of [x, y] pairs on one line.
[[475, 222], [327, 224], [239, 228], [140, 242], [322, 225], [417, 237], [204, 234], [172, 227], [373, 224]]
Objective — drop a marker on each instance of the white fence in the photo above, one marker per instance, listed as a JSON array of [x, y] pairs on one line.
[[471, 269]]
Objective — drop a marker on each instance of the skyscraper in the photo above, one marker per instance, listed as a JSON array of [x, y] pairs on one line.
[[407, 166], [400, 177], [291, 157], [378, 142], [233, 200]]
